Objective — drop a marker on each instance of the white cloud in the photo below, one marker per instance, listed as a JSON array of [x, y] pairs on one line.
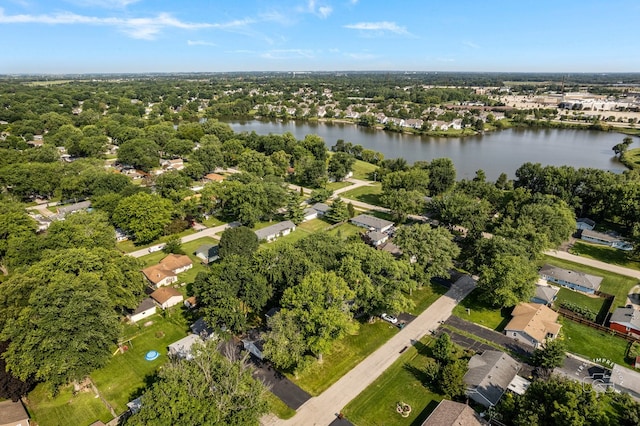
[[382, 26], [140, 28], [322, 11], [361, 55], [200, 43], [471, 44]]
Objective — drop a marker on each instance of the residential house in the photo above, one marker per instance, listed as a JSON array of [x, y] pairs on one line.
[[489, 376], [376, 238], [254, 347], [414, 123], [208, 253], [167, 297], [439, 125], [545, 294], [532, 324], [605, 239], [145, 309], [583, 223], [121, 235], [214, 177], [450, 413], [271, 233], [13, 414], [191, 302], [177, 164], [73, 208], [177, 263], [135, 405], [183, 348], [202, 329], [159, 276], [372, 223], [626, 320], [456, 124], [571, 279], [315, 211]]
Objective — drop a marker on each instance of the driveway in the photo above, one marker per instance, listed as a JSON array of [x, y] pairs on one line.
[[490, 335], [323, 410], [290, 393]]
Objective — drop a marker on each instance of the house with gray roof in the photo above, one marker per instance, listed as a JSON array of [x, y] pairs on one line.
[[273, 232], [183, 347], [489, 377], [574, 280], [372, 223], [585, 223], [208, 253], [73, 208], [13, 414], [625, 320], [315, 211], [605, 240], [376, 238], [545, 294]]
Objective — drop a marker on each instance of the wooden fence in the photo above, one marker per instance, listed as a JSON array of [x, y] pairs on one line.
[[576, 318]]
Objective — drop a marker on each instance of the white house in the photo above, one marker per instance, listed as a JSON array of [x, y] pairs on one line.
[[372, 223], [183, 347], [167, 297], [585, 223], [271, 233], [532, 324], [145, 309], [605, 239]]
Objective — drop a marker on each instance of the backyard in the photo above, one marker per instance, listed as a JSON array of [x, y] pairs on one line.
[[592, 343], [403, 381], [367, 194], [473, 309], [617, 285]]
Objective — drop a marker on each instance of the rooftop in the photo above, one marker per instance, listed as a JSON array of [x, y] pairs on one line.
[[600, 236], [12, 412], [146, 304], [626, 316], [534, 319], [163, 294], [371, 221], [176, 261], [490, 374], [450, 413], [263, 233], [579, 278], [157, 273]]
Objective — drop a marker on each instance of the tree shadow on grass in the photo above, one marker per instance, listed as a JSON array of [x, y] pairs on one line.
[[425, 413]]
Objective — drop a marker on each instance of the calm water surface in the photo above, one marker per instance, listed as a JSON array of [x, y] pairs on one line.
[[495, 152]]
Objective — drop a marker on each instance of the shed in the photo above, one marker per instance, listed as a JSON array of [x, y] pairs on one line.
[[145, 309]]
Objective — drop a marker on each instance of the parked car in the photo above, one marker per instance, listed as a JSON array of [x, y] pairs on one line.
[[389, 318]]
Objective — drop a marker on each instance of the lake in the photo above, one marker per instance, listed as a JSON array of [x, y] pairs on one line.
[[494, 152]]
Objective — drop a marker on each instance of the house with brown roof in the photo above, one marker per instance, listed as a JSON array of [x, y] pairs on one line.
[[177, 263], [166, 272], [13, 414], [450, 413], [532, 324], [167, 297], [214, 177]]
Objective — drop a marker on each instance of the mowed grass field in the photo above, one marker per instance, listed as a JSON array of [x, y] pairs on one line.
[[605, 254], [403, 381]]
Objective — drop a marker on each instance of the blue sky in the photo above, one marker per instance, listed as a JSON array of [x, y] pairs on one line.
[[83, 36]]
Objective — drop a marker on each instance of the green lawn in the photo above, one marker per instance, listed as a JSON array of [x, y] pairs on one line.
[[128, 246], [362, 170], [66, 408], [128, 374], [631, 158], [592, 343], [376, 405], [279, 408], [618, 285], [482, 313], [424, 297], [366, 194], [344, 355], [345, 230], [592, 303], [605, 254], [314, 225], [337, 185], [212, 222]]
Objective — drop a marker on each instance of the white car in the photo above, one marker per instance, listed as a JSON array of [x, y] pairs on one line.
[[389, 318]]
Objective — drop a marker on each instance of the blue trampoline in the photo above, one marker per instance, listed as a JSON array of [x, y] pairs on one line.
[[151, 355]]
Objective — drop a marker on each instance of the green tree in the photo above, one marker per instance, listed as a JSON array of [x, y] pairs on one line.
[[284, 343], [209, 389], [241, 241], [573, 403], [451, 379], [318, 305], [173, 245], [88, 230], [340, 165], [432, 249], [320, 195], [338, 212], [507, 281], [295, 211], [143, 216], [551, 355], [442, 349], [139, 153], [442, 175], [64, 332]]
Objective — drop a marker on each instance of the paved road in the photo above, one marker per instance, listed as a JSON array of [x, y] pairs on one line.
[[595, 263], [322, 410], [209, 232], [356, 183]]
